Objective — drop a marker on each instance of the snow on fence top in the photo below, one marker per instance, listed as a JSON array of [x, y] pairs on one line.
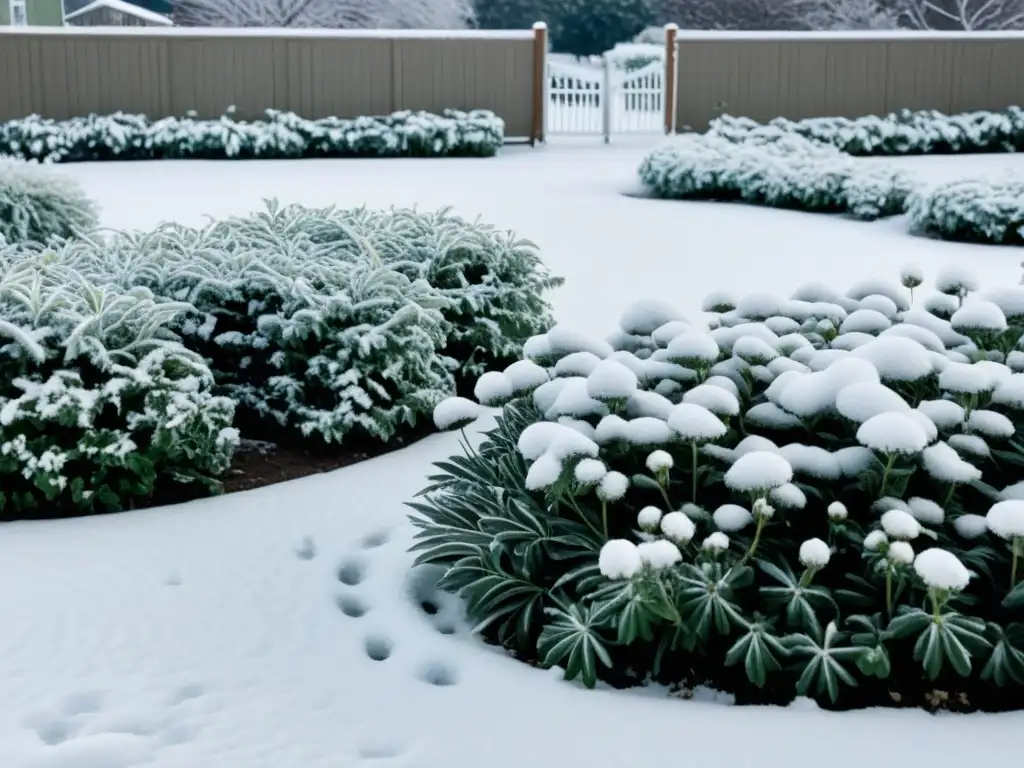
[[222, 32], [697, 35]]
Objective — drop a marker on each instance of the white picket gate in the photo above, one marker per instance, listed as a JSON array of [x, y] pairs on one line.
[[603, 100]]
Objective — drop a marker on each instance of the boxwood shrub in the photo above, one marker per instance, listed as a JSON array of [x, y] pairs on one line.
[[818, 496], [39, 205], [971, 211], [280, 135]]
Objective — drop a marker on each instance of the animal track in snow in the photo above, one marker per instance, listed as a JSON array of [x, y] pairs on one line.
[[377, 647], [439, 674], [352, 572], [376, 539], [306, 549], [352, 606]]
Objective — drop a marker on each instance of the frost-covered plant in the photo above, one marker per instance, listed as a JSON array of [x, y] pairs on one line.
[[37, 205], [825, 542], [791, 172], [120, 136], [971, 211], [100, 405], [907, 132], [329, 323]]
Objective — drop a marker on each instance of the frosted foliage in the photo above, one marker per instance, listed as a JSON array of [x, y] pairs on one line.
[[545, 395], [718, 301], [611, 380], [577, 364], [732, 517], [564, 341], [758, 471], [850, 341], [854, 460], [941, 328], [724, 383], [931, 432], [945, 414], [455, 413], [644, 317], [716, 399], [944, 464], [1009, 300], [695, 423], [379, 14], [860, 402], [659, 461], [758, 306], [752, 443], [478, 133], [575, 400], [613, 486], [979, 316], [647, 431], [971, 210], [898, 524], [543, 473], [940, 569], [37, 205], [900, 552], [788, 496], [896, 359], [875, 541], [649, 518], [715, 542], [590, 472], [1015, 361], [1006, 519], [537, 438]]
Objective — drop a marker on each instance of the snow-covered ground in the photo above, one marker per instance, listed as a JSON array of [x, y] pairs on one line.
[[283, 628]]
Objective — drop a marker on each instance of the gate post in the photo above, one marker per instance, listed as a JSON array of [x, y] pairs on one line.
[[670, 86], [540, 81]]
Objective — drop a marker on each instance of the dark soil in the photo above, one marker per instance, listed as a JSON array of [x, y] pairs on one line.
[[259, 463]]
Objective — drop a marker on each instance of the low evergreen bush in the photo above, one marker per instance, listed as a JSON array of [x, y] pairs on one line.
[[818, 496], [907, 132], [334, 324], [281, 135], [100, 406], [971, 211], [38, 205], [791, 172]]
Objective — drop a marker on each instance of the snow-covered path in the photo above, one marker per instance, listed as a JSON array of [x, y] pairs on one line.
[[281, 628]]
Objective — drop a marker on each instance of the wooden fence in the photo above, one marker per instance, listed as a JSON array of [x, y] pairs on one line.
[[68, 72], [798, 75]]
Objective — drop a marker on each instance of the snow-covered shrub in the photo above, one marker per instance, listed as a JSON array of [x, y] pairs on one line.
[[820, 496], [972, 211], [791, 172], [901, 133], [100, 405], [330, 323], [280, 135], [37, 205]]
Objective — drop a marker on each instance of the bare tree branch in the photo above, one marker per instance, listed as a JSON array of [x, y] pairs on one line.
[[338, 14], [967, 15]]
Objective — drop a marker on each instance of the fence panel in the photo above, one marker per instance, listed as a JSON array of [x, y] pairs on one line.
[[639, 100], [850, 74], [575, 99], [68, 72]]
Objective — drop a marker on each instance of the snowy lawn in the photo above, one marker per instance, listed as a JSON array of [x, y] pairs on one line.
[[282, 627]]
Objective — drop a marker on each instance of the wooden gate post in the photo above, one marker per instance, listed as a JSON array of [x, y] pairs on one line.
[[540, 77], [671, 88]]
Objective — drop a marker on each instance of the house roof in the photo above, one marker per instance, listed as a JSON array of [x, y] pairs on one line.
[[122, 7]]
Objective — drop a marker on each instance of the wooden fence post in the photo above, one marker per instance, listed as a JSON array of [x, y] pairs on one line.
[[540, 74], [671, 87]]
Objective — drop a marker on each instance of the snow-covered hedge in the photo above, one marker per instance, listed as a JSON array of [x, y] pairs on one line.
[[100, 406], [37, 205], [818, 496], [336, 323], [791, 172], [972, 211], [281, 135], [901, 133]]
